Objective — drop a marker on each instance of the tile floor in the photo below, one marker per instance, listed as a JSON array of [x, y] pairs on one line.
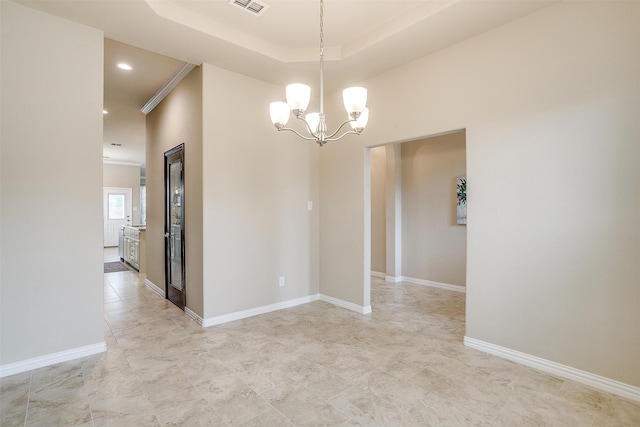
[[312, 365]]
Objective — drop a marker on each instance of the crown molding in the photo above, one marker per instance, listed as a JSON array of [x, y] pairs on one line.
[[168, 87]]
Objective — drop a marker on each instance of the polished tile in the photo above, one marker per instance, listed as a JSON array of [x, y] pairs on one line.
[[310, 365], [14, 398], [63, 401], [303, 407], [320, 380], [272, 418], [232, 399]]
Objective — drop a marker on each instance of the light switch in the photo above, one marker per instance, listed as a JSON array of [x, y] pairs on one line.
[[310, 205]]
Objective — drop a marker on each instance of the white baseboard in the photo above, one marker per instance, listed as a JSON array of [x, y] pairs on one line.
[[593, 380], [243, 314], [393, 279], [378, 274], [51, 359], [193, 315], [346, 304], [448, 287], [154, 287]]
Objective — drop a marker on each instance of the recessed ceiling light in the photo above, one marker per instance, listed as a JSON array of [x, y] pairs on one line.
[[124, 66], [105, 112]]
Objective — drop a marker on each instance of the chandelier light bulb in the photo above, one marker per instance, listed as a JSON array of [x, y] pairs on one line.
[[361, 122], [355, 99], [279, 113], [298, 96]]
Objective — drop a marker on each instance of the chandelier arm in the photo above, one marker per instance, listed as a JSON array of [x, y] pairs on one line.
[[308, 127], [350, 132], [340, 127], [298, 133]]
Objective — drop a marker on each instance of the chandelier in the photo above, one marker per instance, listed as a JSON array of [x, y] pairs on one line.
[[298, 95]]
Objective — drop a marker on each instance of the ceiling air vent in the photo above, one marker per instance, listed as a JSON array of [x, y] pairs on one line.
[[254, 7]]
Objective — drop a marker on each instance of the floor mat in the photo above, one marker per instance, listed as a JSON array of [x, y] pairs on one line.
[[112, 267]]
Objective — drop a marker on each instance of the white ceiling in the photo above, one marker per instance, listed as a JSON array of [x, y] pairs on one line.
[[125, 92], [363, 38]]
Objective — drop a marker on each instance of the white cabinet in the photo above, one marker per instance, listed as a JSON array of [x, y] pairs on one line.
[[132, 247]]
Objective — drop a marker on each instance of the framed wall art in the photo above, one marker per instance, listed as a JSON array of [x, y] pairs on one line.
[[461, 199]]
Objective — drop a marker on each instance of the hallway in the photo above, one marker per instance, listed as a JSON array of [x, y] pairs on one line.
[[315, 364], [111, 254]]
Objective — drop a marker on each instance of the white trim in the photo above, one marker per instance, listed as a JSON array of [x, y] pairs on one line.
[[346, 304], [243, 314], [448, 287], [593, 380], [194, 316], [154, 287], [168, 86], [393, 279], [120, 162], [377, 274], [51, 359]]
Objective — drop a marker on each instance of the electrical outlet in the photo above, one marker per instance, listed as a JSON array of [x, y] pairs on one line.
[[281, 281]]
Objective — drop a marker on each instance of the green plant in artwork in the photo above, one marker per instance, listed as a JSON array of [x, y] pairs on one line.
[[461, 191]]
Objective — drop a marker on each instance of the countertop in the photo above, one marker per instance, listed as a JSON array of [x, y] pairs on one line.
[[137, 227]]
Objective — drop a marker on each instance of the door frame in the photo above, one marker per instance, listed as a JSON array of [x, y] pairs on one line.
[[128, 192], [167, 227]]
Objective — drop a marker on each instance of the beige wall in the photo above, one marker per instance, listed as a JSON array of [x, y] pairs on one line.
[[256, 185], [177, 120], [246, 188], [393, 185], [51, 278], [550, 107], [345, 266], [434, 246], [124, 176], [378, 210]]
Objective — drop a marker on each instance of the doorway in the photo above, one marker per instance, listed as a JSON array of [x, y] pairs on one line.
[[175, 286], [117, 211], [415, 236]]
